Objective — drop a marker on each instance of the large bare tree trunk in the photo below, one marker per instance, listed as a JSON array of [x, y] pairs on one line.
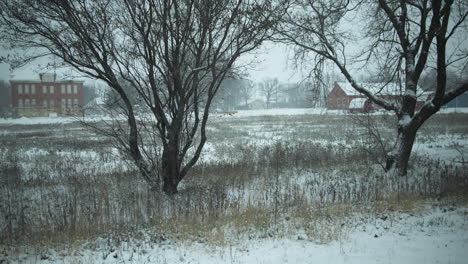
[[170, 170], [398, 158]]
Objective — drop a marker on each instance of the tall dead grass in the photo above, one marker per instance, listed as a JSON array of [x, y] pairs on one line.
[[257, 190]]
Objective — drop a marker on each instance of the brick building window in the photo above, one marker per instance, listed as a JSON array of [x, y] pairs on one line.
[[26, 88], [69, 89], [33, 89], [64, 104], [26, 103], [44, 103], [62, 87], [51, 89], [20, 103], [52, 103], [69, 103], [75, 89], [20, 89], [44, 89], [75, 103], [33, 102]]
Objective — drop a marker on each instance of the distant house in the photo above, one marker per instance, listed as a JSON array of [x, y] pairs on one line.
[[343, 96], [256, 104], [292, 95], [46, 96]]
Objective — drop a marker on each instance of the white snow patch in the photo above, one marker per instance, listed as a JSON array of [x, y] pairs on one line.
[[410, 93], [463, 110], [37, 120], [280, 111], [440, 236], [55, 120], [405, 121]]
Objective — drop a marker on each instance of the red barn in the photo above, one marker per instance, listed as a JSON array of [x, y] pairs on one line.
[[344, 97], [46, 96]]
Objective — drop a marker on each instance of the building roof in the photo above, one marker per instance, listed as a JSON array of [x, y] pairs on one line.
[[29, 76], [39, 81], [375, 88], [357, 103]]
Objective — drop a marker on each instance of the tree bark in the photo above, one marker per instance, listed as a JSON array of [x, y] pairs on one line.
[[398, 158], [170, 170], [171, 161]]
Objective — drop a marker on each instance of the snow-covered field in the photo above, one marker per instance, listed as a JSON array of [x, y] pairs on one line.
[[238, 113], [431, 235], [272, 186]]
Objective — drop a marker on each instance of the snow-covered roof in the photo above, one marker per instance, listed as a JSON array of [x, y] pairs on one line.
[[32, 73], [374, 88], [20, 77], [357, 103]]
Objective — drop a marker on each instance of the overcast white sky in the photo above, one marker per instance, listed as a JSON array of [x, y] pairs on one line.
[[270, 61]]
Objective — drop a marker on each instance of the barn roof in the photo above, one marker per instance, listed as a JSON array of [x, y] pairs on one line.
[[375, 88], [357, 103]]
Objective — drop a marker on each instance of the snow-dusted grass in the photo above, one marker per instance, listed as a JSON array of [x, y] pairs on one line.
[[426, 235], [303, 180]]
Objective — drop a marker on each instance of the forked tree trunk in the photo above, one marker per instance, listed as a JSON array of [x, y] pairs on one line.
[[170, 170], [398, 158]]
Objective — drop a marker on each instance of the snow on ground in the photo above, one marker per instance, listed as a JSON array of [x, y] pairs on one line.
[[444, 148], [239, 113], [281, 111], [454, 110], [439, 235], [51, 120], [313, 111], [436, 236], [36, 120]]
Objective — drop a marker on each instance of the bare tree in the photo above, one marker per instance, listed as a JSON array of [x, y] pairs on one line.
[[229, 94], [403, 38], [246, 91], [269, 88], [290, 94], [172, 54]]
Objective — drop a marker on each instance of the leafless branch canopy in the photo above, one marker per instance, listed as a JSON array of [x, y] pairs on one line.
[[398, 37], [403, 38], [172, 54]]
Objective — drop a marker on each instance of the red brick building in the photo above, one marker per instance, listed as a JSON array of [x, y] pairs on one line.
[[344, 97], [46, 96]]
